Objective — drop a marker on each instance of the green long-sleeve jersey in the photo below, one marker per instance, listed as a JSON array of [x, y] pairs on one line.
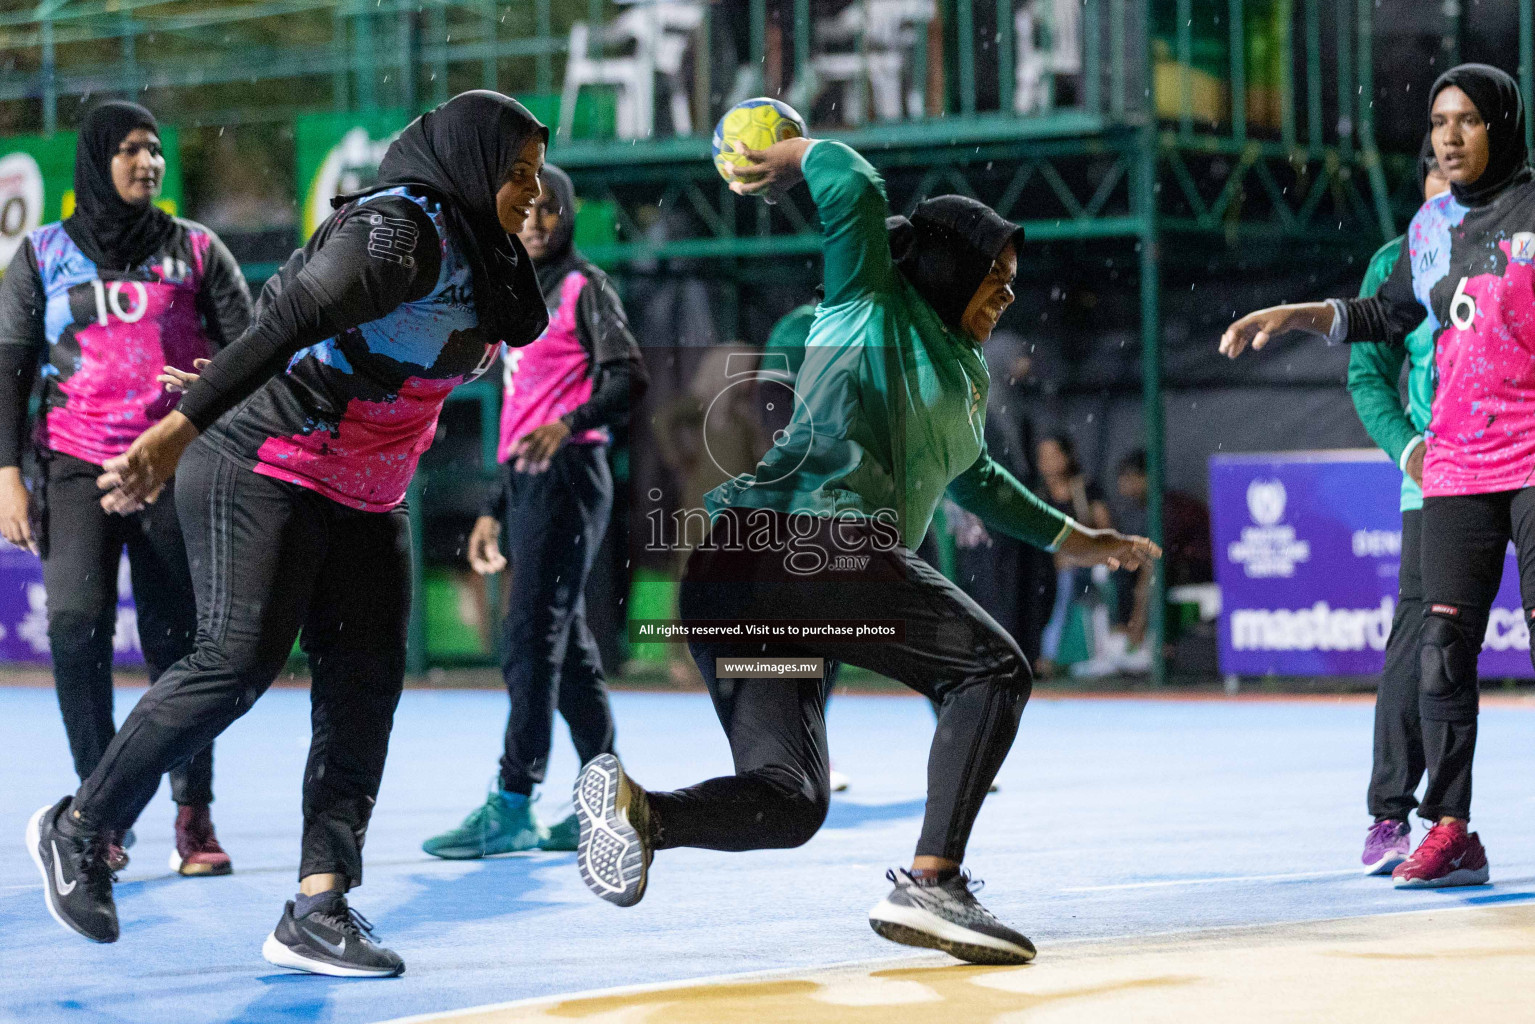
[[891, 404], [1373, 374]]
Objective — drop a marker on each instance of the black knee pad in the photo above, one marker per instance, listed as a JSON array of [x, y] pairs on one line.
[[1447, 687]]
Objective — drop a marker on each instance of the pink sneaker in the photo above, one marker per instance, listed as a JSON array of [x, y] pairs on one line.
[[1386, 845], [1448, 856]]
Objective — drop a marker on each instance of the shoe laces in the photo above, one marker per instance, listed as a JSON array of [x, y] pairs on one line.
[[972, 885], [1384, 829], [1439, 838], [94, 850], [351, 923]]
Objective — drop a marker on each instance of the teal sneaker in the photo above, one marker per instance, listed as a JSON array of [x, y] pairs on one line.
[[563, 835], [504, 823]]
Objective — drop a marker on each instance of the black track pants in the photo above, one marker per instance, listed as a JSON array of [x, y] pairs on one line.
[[1464, 541], [270, 559], [84, 548], [553, 529], [953, 653], [1398, 763]]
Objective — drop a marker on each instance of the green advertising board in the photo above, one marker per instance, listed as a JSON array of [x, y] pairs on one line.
[[37, 179], [338, 153]]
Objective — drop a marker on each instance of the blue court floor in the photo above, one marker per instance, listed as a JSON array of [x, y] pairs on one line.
[[1116, 818]]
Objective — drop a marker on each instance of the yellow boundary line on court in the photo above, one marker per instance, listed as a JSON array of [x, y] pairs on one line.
[[1392, 969]]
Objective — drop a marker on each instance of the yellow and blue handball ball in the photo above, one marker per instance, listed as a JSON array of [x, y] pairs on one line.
[[756, 124]]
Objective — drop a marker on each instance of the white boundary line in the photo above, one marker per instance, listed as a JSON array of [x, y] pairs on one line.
[[800, 972], [1214, 880]]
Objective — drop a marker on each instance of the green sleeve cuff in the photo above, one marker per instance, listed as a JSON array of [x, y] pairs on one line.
[[1067, 528]]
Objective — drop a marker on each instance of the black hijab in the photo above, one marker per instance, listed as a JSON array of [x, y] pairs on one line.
[[1497, 99], [114, 233], [460, 154], [947, 248], [1427, 161], [563, 193]]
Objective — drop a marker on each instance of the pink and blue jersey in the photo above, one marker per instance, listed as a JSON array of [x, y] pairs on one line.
[[1472, 269], [352, 413], [105, 335]]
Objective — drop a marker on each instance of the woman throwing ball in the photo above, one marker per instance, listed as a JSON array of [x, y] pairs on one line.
[[296, 446], [889, 417], [1468, 269]]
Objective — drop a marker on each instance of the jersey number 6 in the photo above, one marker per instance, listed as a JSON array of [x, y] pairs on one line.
[[1462, 307]]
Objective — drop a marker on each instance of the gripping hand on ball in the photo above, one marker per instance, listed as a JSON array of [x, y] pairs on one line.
[[769, 172]]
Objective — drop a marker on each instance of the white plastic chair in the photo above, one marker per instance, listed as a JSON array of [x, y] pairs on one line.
[[889, 29], [659, 34], [1059, 22]]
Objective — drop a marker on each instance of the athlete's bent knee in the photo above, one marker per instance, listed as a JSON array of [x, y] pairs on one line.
[[797, 809], [1447, 656]]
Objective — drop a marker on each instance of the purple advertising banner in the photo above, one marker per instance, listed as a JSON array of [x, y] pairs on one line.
[[1306, 554], [24, 611]]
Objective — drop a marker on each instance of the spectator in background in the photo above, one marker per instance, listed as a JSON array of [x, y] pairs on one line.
[[1186, 531], [1185, 522], [563, 393], [1014, 582], [1066, 487]]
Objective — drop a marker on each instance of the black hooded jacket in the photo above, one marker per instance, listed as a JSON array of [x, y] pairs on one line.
[[947, 248], [618, 374]]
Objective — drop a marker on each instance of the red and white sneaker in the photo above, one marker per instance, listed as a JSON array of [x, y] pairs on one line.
[[197, 849], [1448, 856]]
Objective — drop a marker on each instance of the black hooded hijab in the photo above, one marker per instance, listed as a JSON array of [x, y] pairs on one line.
[[114, 233], [1497, 99], [460, 154], [1426, 160], [559, 188], [946, 249]]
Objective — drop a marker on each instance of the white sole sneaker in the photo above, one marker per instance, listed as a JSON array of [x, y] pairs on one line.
[[279, 955], [610, 853], [1464, 876], [1385, 865], [34, 835], [913, 926]]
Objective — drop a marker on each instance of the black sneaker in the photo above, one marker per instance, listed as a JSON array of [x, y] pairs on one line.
[[947, 916], [613, 852], [332, 939], [77, 884]]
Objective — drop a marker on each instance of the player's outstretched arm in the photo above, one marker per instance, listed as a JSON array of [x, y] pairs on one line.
[[1255, 329], [1086, 546]]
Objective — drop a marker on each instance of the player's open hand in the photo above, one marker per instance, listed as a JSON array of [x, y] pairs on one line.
[[15, 500], [1256, 329], [1108, 547], [178, 381], [769, 172], [135, 478]]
